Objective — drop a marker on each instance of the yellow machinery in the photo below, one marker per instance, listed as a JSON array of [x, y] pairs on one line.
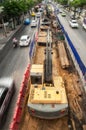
[[47, 97]]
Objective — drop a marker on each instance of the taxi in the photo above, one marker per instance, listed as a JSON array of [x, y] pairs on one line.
[[33, 14]]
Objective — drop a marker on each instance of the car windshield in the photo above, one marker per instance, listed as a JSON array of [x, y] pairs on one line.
[[38, 14], [23, 39], [33, 21], [73, 21], [45, 20]]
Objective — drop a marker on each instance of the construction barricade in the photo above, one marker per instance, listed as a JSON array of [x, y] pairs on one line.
[[22, 97]]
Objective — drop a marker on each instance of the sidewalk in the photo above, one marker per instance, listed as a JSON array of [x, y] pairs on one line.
[[4, 39]]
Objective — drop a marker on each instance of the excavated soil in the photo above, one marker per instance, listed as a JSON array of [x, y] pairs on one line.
[[73, 92]]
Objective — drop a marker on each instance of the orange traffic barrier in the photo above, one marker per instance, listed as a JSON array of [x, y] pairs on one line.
[[26, 74], [23, 88], [28, 67], [17, 114], [14, 126], [20, 100], [25, 81], [19, 108]]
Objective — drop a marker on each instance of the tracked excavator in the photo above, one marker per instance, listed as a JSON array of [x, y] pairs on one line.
[[47, 97]]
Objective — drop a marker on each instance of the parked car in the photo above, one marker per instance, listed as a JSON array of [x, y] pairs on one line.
[[33, 23], [45, 21], [73, 23], [7, 89], [24, 40]]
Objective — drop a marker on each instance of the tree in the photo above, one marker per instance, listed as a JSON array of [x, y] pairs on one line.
[[63, 2], [77, 4], [30, 4], [13, 9]]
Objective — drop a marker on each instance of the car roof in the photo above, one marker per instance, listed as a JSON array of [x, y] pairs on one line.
[[63, 12], [38, 12], [24, 37], [45, 19], [73, 20], [34, 20], [6, 82], [2, 90]]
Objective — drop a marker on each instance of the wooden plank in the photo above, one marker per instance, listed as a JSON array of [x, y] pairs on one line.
[[77, 109], [63, 55], [44, 27], [42, 39], [42, 34], [84, 127]]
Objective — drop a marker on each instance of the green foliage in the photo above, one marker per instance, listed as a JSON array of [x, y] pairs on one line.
[[14, 8], [63, 2], [78, 3], [82, 2], [30, 3], [74, 3]]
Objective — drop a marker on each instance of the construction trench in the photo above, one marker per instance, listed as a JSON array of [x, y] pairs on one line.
[[62, 65]]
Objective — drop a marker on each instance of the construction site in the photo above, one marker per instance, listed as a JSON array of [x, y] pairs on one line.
[[59, 88]]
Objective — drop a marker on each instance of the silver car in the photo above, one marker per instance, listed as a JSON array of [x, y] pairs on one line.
[[24, 40], [7, 89]]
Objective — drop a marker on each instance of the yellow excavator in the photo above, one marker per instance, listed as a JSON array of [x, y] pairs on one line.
[[47, 96]]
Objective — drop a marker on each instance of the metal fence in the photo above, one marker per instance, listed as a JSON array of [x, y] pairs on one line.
[[75, 56]]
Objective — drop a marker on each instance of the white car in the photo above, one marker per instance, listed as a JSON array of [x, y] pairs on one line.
[[73, 23], [60, 11], [33, 23], [63, 14], [84, 26], [40, 10], [24, 40], [38, 15]]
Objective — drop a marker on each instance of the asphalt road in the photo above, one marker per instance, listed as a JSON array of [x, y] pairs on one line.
[[14, 65], [77, 36]]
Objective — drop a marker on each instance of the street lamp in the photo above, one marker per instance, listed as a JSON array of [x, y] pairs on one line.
[[1, 15]]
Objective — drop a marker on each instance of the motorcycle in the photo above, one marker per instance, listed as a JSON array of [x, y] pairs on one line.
[[15, 43]]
